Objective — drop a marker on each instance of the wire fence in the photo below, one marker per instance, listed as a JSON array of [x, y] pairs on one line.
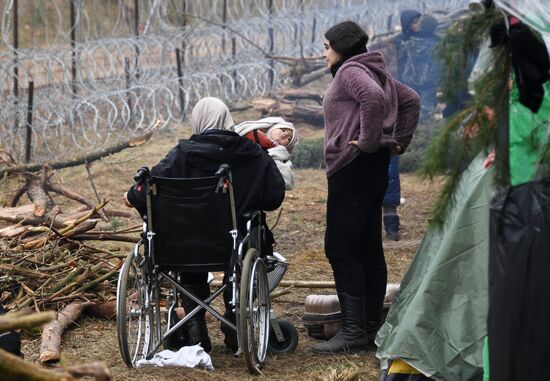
[[78, 76]]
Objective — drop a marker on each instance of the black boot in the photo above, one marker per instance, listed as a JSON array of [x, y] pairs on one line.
[[373, 310], [196, 326], [230, 334], [353, 337]]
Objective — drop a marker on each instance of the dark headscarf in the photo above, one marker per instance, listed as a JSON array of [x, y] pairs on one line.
[[347, 39]]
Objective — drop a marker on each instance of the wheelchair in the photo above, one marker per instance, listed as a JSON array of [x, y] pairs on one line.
[[191, 226]]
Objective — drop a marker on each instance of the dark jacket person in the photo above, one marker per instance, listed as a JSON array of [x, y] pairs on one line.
[[258, 185]]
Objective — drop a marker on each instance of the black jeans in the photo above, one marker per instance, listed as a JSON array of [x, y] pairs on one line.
[[353, 237]]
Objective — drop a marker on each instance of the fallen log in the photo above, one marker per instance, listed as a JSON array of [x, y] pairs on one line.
[[51, 334], [105, 237], [99, 370], [60, 189], [290, 110], [295, 283], [15, 368], [297, 94], [12, 321], [105, 310], [314, 76], [86, 158]]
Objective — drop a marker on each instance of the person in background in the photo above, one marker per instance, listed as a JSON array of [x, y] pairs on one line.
[[368, 116], [417, 68]]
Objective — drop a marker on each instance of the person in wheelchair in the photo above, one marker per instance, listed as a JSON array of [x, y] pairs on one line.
[[259, 186]]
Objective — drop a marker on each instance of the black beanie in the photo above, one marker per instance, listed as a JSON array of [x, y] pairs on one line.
[[347, 39]]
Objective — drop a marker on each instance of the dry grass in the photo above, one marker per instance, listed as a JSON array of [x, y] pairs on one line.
[[300, 238]]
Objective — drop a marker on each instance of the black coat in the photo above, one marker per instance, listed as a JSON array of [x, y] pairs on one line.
[[257, 182]]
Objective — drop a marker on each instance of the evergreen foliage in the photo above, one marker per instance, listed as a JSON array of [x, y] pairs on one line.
[[470, 131]]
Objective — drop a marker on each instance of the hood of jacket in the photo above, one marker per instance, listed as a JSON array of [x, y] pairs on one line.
[[207, 150], [374, 62], [407, 17]]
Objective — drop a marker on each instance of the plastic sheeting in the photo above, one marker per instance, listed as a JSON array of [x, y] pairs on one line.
[[536, 13], [518, 324], [437, 323]]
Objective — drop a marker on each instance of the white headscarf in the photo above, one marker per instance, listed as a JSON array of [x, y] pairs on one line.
[[268, 124], [211, 113]]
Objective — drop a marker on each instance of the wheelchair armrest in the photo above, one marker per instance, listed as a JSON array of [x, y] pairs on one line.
[[250, 217]]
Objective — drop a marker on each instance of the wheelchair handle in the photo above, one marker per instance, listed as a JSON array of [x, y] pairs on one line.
[[223, 170], [141, 174]]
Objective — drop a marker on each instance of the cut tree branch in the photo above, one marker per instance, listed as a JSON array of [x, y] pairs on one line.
[[86, 158], [51, 334]]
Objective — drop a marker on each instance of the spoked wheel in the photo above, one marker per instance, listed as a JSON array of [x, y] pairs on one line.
[[134, 316], [254, 307]]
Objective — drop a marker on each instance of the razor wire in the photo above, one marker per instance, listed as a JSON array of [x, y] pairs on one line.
[[125, 61]]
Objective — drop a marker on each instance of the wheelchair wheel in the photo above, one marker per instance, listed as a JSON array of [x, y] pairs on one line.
[[290, 341], [134, 316], [254, 309]]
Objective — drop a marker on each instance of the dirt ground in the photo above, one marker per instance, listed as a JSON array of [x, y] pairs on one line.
[[300, 239]]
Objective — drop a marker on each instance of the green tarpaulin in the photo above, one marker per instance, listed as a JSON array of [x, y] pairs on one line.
[[528, 137], [437, 323]]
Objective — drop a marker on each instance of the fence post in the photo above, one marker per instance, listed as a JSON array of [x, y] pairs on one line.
[[224, 21], [16, 64], [313, 30], [234, 59], [302, 28], [180, 82], [127, 78], [271, 44], [73, 47], [183, 25], [28, 142], [136, 32]]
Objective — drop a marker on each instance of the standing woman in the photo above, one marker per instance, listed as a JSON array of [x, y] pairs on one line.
[[368, 117]]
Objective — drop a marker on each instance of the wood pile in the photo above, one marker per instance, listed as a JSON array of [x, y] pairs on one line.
[[45, 257]]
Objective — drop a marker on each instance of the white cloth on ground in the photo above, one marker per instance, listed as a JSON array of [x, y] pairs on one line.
[[190, 357]]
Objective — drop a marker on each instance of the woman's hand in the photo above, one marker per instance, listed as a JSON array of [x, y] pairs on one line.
[[396, 150], [354, 142], [126, 202]]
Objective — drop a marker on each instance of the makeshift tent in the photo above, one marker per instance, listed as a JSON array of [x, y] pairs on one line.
[[437, 322]]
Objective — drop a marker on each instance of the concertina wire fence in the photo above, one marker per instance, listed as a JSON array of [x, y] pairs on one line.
[[115, 73]]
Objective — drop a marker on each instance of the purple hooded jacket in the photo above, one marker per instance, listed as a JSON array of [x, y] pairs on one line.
[[366, 104]]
